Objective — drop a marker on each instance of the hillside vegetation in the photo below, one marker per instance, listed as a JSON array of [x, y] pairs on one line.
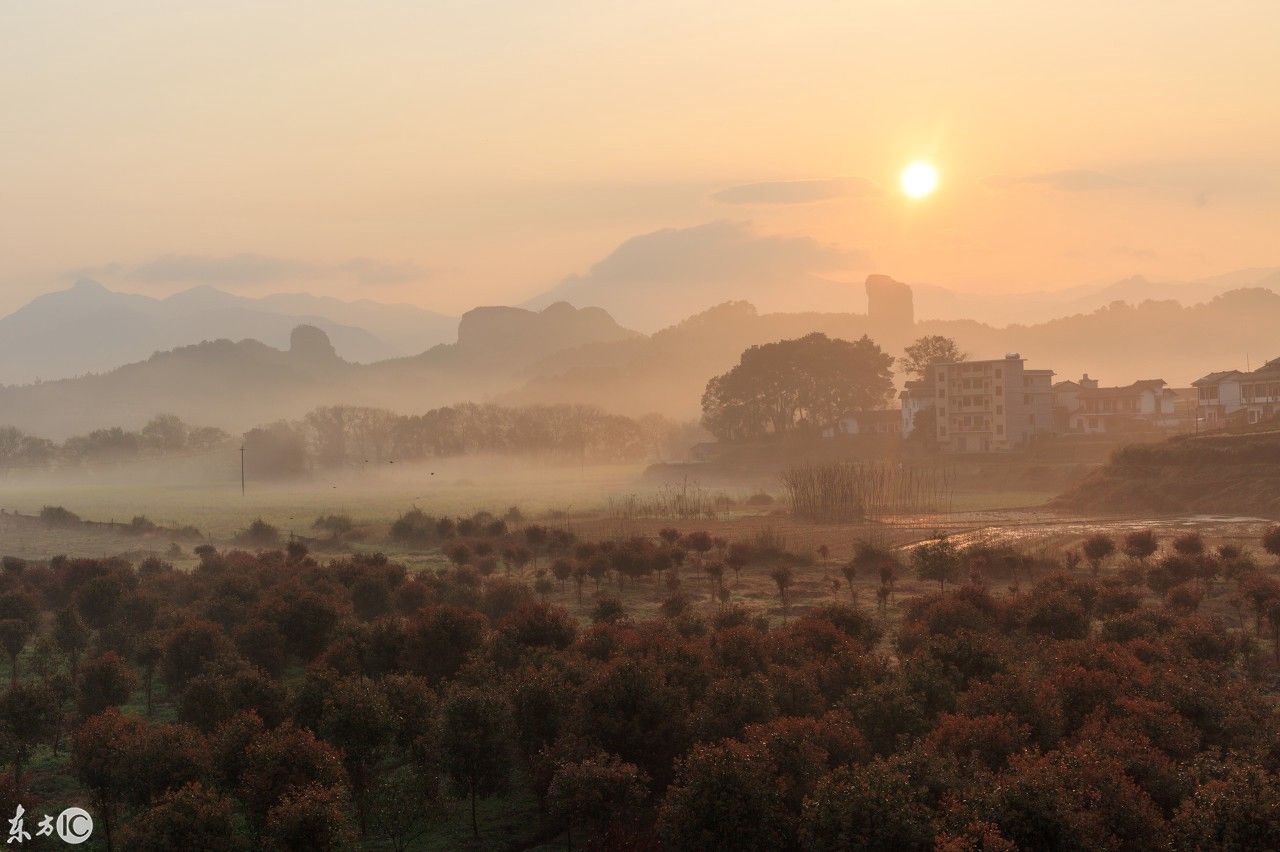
[[1237, 474]]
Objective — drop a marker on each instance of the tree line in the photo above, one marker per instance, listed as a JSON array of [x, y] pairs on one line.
[[274, 700], [164, 435]]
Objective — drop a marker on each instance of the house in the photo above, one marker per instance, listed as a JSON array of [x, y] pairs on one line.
[[1084, 407], [987, 406], [875, 422], [917, 395], [1232, 397]]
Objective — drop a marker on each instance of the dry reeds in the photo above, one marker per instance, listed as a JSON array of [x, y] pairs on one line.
[[852, 491]]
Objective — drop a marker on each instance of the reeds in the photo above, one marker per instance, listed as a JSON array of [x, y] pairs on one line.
[[852, 491]]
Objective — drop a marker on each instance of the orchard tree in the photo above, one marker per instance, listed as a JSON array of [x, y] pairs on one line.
[[310, 818], [1140, 544], [475, 743], [191, 817], [358, 721], [595, 792], [937, 561], [1096, 549], [104, 681], [724, 796]]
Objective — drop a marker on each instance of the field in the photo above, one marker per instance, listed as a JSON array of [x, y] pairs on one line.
[[593, 503]]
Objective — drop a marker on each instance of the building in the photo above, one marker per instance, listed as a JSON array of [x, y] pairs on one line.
[[1232, 397], [917, 395], [984, 406], [1084, 407]]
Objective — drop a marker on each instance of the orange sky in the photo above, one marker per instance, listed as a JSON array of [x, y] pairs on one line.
[[477, 152]]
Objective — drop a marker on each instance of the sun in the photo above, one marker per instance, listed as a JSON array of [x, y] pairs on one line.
[[919, 179]]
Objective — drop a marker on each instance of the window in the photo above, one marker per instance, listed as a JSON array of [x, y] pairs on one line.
[[999, 409], [999, 429], [1026, 399]]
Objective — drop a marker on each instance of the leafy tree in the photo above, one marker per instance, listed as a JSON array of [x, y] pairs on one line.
[[1096, 549], [874, 807], [927, 351], [439, 640], [937, 561], [103, 749], [28, 716], [359, 723], [475, 743], [723, 797], [190, 817], [594, 792], [1140, 544], [809, 382], [283, 760], [310, 818], [191, 646], [1271, 541], [104, 681], [1237, 811]]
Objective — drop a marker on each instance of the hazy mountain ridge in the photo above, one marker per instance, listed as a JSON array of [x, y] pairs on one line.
[[236, 385], [88, 328], [582, 355]]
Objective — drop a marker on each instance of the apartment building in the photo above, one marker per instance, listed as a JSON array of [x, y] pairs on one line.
[[987, 406]]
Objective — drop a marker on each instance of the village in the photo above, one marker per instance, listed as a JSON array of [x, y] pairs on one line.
[[1000, 404]]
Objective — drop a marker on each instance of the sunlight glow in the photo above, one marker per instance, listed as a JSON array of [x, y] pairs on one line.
[[919, 179]]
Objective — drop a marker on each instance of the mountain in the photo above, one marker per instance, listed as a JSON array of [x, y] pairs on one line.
[[237, 385], [941, 303], [88, 328], [566, 354], [667, 371]]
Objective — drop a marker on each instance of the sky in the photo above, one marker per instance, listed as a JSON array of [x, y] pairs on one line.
[[450, 154]]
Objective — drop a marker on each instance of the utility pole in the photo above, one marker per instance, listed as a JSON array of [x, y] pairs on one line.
[[242, 470]]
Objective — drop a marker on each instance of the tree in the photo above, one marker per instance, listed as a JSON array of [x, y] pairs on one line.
[[28, 716], [724, 796], [357, 721], [937, 561], [310, 818], [282, 760], [806, 383], [1271, 541], [782, 577], [191, 646], [475, 743], [102, 753], [1096, 549], [1238, 811], [595, 791], [927, 351], [105, 681], [1140, 544], [191, 817], [873, 807]]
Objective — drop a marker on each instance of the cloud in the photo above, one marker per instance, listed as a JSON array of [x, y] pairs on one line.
[[795, 191], [661, 277], [246, 269], [1067, 180]]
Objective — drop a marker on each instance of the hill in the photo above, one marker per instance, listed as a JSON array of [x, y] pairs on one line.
[[667, 371], [1228, 474], [237, 385], [89, 328]]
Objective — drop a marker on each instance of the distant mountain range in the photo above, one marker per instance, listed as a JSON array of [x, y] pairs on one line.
[[89, 328], [582, 355], [238, 384]]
